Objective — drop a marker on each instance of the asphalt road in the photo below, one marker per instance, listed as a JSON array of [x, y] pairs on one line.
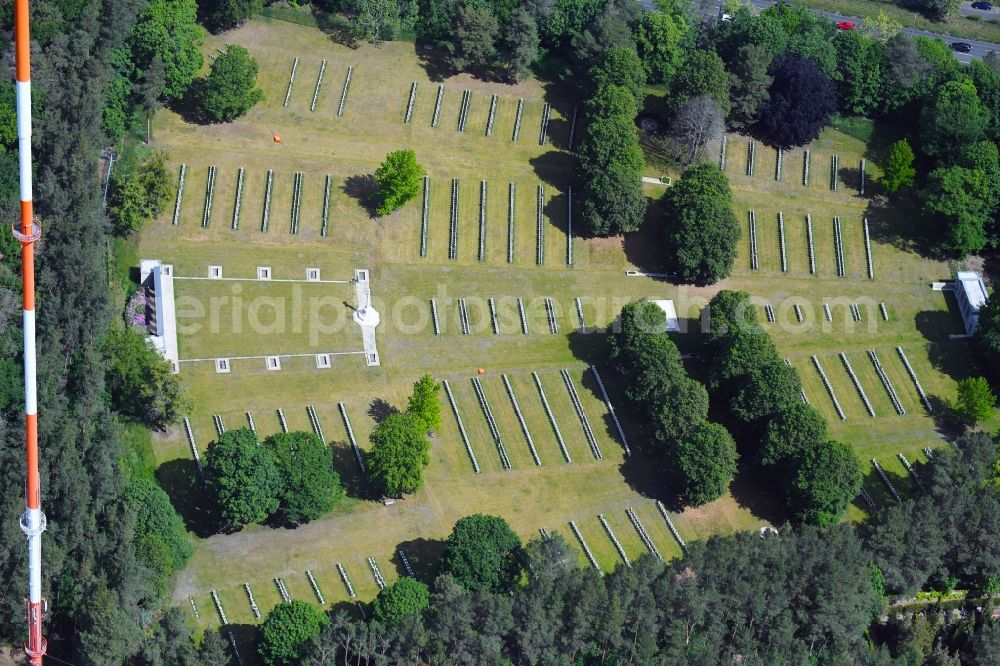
[[979, 48]]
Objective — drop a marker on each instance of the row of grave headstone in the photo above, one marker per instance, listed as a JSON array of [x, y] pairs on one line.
[[779, 156], [802, 391], [853, 308], [883, 377], [466, 327], [318, 86], [491, 421], [857, 384], [461, 426], [521, 420], [313, 583], [839, 255], [484, 405], [829, 387], [639, 528], [886, 383], [494, 428], [511, 202], [298, 180], [466, 104], [582, 415], [614, 539]]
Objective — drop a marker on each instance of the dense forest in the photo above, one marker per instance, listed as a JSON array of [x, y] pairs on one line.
[[803, 594], [113, 536]]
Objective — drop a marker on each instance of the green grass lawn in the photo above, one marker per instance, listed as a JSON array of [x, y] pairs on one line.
[[529, 496]]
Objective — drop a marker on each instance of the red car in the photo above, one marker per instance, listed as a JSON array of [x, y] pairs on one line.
[[846, 25]]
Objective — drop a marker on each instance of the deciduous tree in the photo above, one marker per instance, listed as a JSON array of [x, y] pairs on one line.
[[952, 119], [142, 382], [158, 527], [242, 477], [311, 487], [959, 198], [703, 73], [137, 198], [702, 230], [287, 631], [169, 30], [621, 67], [483, 554], [987, 335], [225, 14], [859, 65], [609, 166], [680, 406], [703, 463], [827, 477], [375, 20], [399, 179], [975, 400], [793, 430], [425, 402], [898, 170], [766, 389], [802, 99], [399, 453], [660, 40], [229, 90], [404, 597], [697, 122]]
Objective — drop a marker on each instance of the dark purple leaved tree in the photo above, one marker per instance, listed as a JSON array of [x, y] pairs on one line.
[[801, 102]]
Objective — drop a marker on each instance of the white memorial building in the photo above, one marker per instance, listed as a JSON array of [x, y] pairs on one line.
[[971, 295]]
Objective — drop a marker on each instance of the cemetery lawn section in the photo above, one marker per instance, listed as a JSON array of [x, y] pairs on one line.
[[348, 147]]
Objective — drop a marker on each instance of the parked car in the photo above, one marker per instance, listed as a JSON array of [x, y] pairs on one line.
[[846, 25], [985, 6], [962, 47]]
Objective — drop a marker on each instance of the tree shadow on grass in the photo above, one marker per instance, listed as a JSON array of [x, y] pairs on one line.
[[946, 422], [850, 177], [759, 494], [877, 489], [644, 474], [562, 98], [354, 609], [554, 168], [188, 107], [183, 484], [346, 463], [424, 556], [590, 347], [901, 223], [433, 61], [379, 410], [362, 188], [645, 247], [246, 638], [556, 211]]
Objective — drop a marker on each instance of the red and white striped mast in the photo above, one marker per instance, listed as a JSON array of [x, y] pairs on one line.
[[32, 520]]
